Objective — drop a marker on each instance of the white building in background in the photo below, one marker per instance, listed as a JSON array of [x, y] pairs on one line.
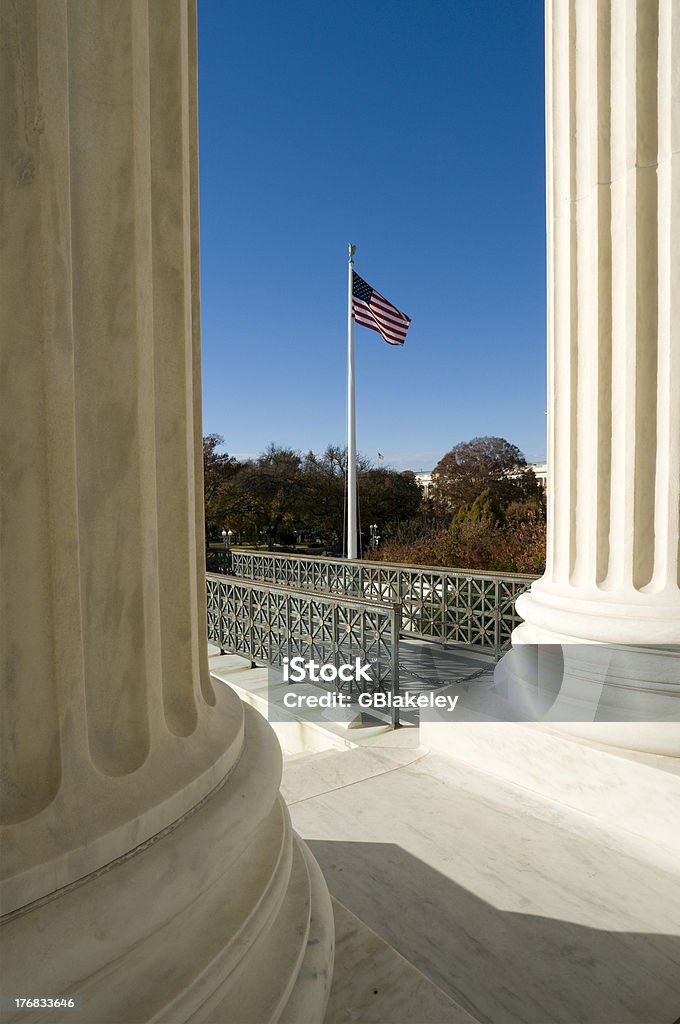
[[425, 483], [540, 472]]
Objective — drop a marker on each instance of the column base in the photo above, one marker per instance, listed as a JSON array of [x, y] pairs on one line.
[[620, 662], [224, 917], [582, 616]]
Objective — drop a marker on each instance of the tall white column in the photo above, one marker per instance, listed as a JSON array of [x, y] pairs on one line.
[[613, 223], [148, 864]]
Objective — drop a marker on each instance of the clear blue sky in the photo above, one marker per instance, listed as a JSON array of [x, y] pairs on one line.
[[414, 130]]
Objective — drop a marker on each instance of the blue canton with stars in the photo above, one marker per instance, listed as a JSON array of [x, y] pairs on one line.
[[361, 290]]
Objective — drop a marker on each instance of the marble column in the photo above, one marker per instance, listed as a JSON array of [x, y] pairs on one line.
[[148, 867], [613, 226]]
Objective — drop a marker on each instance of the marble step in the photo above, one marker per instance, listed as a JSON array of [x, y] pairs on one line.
[[636, 792], [295, 734], [307, 775], [373, 984], [302, 755]]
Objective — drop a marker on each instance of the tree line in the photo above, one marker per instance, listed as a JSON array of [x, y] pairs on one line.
[[485, 511], [287, 498]]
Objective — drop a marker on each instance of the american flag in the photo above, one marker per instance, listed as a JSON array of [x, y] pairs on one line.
[[381, 456], [370, 309]]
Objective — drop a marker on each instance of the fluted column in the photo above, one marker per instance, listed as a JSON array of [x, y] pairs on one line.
[[114, 741], [613, 225]]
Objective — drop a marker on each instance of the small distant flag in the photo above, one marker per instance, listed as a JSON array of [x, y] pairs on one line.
[[381, 456], [370, 309]]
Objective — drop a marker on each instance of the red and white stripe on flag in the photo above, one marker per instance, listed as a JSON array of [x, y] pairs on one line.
[[370, 309]]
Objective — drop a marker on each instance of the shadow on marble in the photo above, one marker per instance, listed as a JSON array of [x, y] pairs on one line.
[[373, 984], [503, 967], [425, 665]]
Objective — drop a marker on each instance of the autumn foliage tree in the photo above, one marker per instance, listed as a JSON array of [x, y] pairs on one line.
[[483, 464], [487, 513], [218, 469]]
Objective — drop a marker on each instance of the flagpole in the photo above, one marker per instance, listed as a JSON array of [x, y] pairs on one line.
[[351, 425]]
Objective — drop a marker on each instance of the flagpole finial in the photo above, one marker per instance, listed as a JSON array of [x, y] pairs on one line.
[[352, 250]]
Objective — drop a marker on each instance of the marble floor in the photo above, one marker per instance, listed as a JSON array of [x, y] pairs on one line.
[[517, 910], [373, 984], [466, 892]]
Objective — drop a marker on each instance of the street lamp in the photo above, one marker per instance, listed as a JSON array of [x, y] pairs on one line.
[[230, 534], [224, 537], [375, 536]]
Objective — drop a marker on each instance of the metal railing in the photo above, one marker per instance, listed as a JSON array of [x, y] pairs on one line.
[[218, 560], [451, 606], [267, 623]]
